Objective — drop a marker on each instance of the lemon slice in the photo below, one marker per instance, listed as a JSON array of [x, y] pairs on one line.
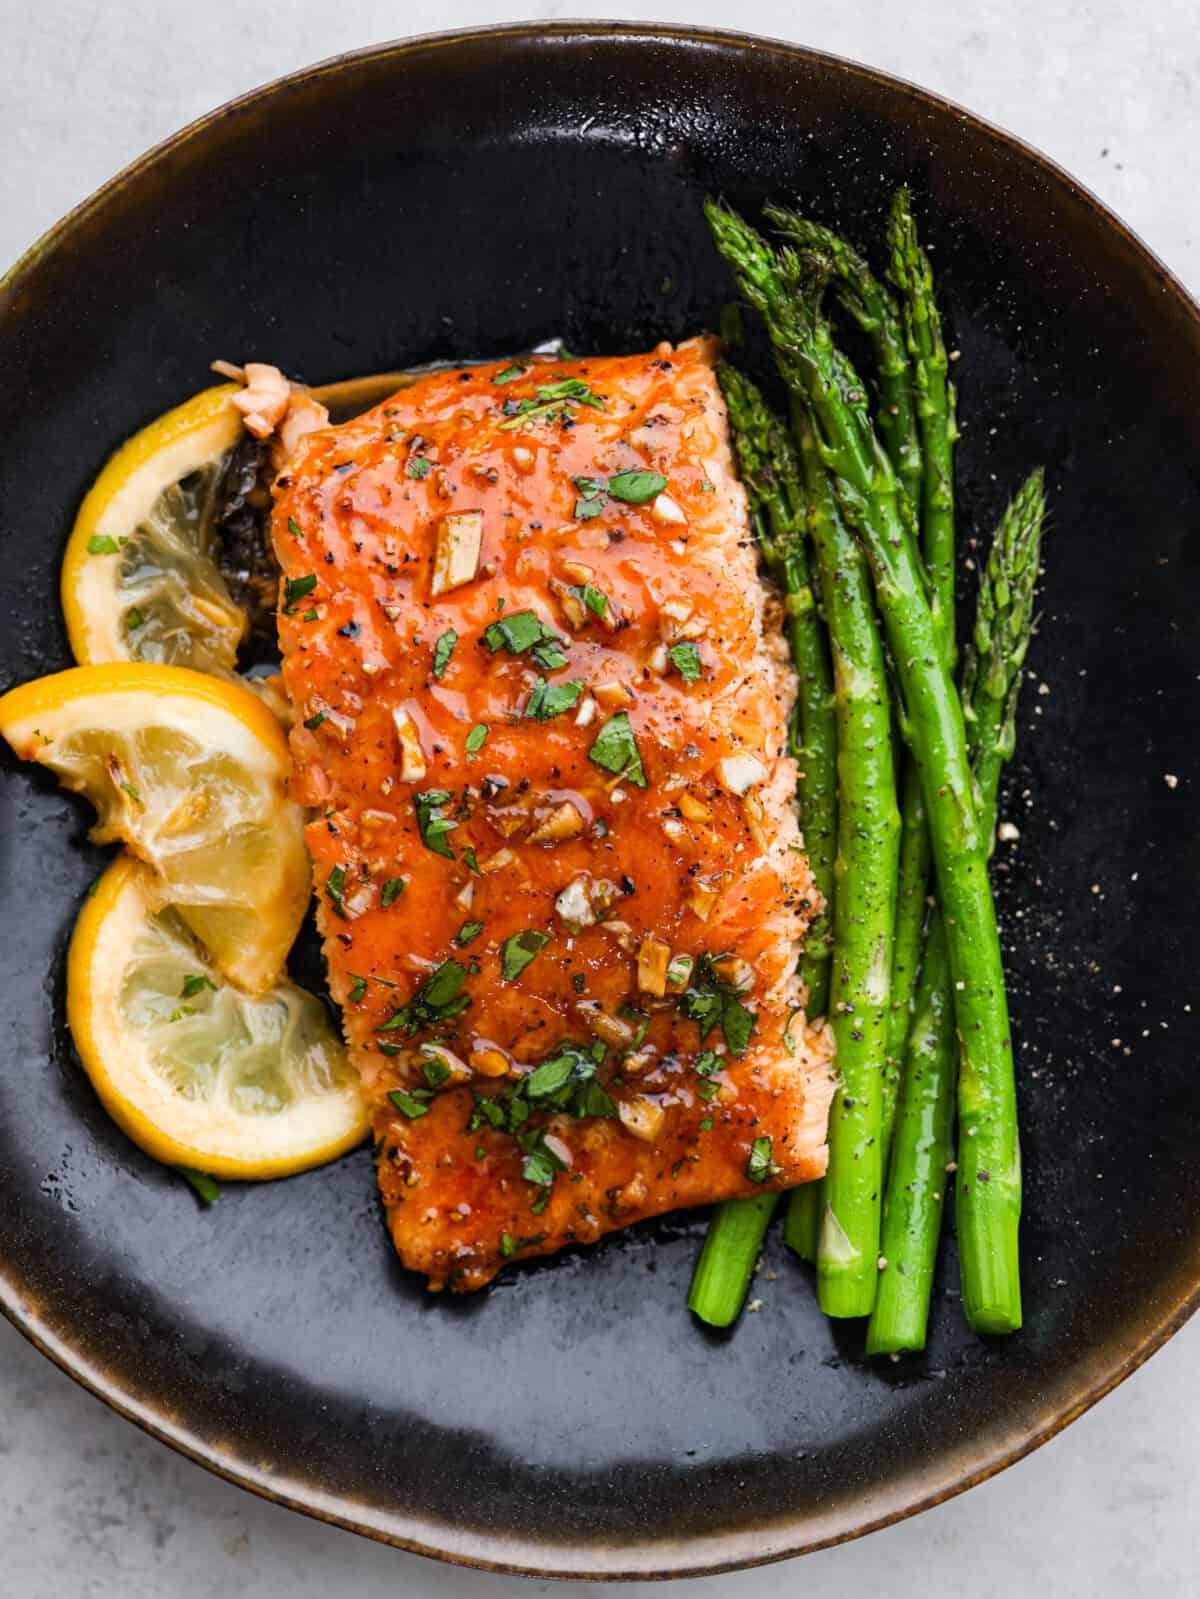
[[191, 772], [195, 1071], [138, 580]]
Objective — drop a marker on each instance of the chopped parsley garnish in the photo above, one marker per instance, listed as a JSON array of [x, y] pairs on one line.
[[507, 1248], [335, 887], [710, 1002], [551, 399], [708, 1064], [205, 1188], [418, 467], [577, 982], [134, 619], [358, 989], [432, 825], [295, 588], [565, 1081], [309, 616], [524, 630], [195, 983], [313, 722], [180, 1011], [593, 492], [476, 739], [615, 749], [706, 1125], [412, 1104], [467, 932], [548, 700], [511, 373], [470, 861], [541, 1165], [129, 789], [635, 488], [443, 650], [294, 528], [686, 660], [517, 951], [392, 891], [102, 544], [760, 1166], [440, 999]]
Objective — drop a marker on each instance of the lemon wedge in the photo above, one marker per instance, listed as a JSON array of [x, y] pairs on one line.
[[191, 772], [196, 1072], [138, 580]]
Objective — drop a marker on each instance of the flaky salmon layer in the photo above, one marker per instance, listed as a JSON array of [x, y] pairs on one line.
[[559, 875]]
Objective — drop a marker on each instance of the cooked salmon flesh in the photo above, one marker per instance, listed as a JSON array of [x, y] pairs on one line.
[[541, 708]]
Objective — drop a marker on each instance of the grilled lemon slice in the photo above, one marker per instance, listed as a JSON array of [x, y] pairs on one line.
[[191, 773], [138, 580], [194, 1070]]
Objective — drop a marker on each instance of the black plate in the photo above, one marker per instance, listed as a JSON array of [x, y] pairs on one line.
[[476, 194]]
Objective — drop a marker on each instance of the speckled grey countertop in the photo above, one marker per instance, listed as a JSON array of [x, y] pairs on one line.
[[91, 1509]]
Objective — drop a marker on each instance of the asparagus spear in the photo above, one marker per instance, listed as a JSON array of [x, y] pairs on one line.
[[868, 301], [770, 470], [912, 1209], [726, 1263], [995, 659], [912, 277], [789, 295], [771, 474], [910, 272], [864, 900]]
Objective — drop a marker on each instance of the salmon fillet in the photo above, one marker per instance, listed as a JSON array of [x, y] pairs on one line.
[[559, 876]]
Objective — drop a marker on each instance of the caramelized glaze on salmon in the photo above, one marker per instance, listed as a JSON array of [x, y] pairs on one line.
[[558, 870]]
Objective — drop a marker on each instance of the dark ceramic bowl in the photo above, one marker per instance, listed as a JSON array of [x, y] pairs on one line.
[[474, 194]]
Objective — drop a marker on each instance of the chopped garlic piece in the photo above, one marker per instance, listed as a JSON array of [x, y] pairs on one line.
[[735, 971], [695, 810], [642, 1117], [456, 553], [613, 1030], [563, 822], [739, 773], [613, 695], [702, 899], [623, 934], [574, 904], [489, 1061], [664, 509], [578, 571], [653, 959], [586, 714], [413, 766], [498, 861]]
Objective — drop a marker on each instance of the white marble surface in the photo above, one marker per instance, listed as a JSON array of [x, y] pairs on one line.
[[91, 1509]]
